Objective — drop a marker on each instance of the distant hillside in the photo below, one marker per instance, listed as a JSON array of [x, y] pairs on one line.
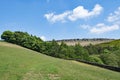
[[111, 43], [85, 42], [18, 63]]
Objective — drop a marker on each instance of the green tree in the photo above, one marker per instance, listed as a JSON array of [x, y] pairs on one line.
[[71, 52], [117, 53], [63, 50], [110, 59], [95, 59], [92, 49], [7, 36], [80, 52], [53, 48]]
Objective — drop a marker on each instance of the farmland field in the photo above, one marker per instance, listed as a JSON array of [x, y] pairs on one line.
[[84, 43]]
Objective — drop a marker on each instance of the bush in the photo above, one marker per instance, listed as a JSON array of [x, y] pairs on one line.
[[95, 59]]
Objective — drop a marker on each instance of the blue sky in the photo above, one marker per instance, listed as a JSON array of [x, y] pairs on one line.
[[62, 19]]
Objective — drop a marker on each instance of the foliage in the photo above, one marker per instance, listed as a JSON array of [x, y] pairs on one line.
[[109, 52], [110, 59], [80, 52], [95, 59], [92, 49], [7, 36]]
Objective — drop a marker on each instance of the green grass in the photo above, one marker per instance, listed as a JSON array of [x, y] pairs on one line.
[[111, 43], [17, 63]]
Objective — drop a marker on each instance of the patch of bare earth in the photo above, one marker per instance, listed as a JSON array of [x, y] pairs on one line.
[[32, 76], [38, 76], [80, 63], [53, 76]]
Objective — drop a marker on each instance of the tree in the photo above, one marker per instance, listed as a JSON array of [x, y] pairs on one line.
[[110, 59], [7, 36], [53, 49], [63, 50], [71, 52], [92, 49], [95, 59], [80, 52], [117, 53]]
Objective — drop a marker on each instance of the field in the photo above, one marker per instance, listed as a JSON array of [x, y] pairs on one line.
[[17, 63], [85, 43]]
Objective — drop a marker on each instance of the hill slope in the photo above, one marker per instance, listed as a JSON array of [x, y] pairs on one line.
[[111, 43], [84, 43], [17, 63]]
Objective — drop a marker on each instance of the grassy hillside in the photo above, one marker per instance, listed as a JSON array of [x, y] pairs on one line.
[[17, 63], [111, 43]]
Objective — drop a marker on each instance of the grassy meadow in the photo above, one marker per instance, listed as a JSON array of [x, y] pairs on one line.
[[17, 63]]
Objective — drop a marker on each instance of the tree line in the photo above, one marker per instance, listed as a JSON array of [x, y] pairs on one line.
[[102, 55]]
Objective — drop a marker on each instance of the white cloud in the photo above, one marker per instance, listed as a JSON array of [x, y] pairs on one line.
[[97, 10], [43, 38], [78, 13], [102, 28], [81, 13], [85, 26], [60, 17], [114, 17]]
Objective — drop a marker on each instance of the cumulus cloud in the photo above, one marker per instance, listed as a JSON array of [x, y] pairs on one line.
[[114, 16], [77, 13], [113, 19], [60, 17], [81, 13], [43, 38], [102, 28]]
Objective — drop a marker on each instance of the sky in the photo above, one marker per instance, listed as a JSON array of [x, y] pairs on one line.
[[62, 19]]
